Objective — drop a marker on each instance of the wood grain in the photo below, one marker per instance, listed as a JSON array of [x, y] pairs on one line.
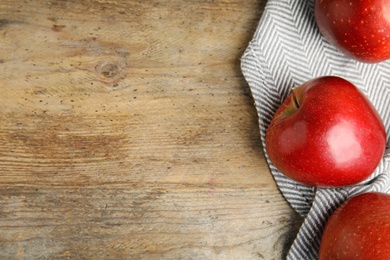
[[128, 132]]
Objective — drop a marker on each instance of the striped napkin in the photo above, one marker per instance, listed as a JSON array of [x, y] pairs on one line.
[[286, 51]]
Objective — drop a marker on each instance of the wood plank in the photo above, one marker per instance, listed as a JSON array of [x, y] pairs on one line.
[[128, 132]]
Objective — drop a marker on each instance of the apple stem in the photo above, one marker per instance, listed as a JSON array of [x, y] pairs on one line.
[[294, 97]]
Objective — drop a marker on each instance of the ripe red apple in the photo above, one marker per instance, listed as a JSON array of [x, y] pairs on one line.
[[326, 133], [358, 28], [358, 229]]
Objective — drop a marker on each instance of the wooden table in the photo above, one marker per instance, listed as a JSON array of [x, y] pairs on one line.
[[128, 132]]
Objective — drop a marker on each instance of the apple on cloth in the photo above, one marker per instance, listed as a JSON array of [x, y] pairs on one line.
[[326, 134], [286, 51], [358, 229], [359, 29]]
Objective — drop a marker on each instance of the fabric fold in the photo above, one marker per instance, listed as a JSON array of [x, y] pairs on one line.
[[287, 50]]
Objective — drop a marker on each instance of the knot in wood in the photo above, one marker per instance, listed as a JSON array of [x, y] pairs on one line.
[[109, 71]]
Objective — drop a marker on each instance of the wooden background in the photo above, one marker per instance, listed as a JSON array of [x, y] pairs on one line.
[[128, 132]]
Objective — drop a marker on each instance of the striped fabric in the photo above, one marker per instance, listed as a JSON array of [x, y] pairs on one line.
[[287, 50]]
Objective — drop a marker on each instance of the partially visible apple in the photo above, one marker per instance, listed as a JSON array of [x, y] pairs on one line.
[[358, 28], [326, 134], [358, 229]]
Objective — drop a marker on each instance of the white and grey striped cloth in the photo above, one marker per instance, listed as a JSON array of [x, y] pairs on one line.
[[287, 50]]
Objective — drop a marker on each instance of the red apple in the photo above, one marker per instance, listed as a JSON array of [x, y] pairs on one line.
[[358, 28], [327, 134], [358, 229]]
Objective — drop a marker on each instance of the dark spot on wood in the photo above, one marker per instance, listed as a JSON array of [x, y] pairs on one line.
[[6, 22], [58, 28]]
